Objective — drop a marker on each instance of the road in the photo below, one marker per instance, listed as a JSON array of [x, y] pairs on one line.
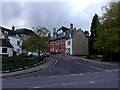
[[70, 71]]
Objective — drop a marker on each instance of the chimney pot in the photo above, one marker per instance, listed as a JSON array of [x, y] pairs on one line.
[[13, 28], [71, 26]]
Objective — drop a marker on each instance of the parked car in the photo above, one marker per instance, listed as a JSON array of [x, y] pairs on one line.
[[43, 55], [47, 54]]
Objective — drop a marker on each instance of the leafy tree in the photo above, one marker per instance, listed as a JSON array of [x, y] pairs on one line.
[[94, 28], [86, 33], [108, 39], [37, 42]]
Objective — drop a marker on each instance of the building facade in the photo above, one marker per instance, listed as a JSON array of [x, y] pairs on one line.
[[77, 43], [69, 41], [6, 49], [15, 37]]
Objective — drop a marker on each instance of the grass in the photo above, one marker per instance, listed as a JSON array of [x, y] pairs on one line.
[[17, 62]]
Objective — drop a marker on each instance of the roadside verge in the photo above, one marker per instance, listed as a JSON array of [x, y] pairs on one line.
[[49, 63]]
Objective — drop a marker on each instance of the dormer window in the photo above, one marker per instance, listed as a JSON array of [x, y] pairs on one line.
[[64, 33]]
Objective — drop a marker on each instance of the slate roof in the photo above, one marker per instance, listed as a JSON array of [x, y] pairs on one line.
[[24, 31], [65, 34], [73, 34], [10, 32], [17, 31], [64, 29], [5, 43]]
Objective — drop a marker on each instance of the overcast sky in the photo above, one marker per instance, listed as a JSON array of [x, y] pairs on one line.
[[50, 14]]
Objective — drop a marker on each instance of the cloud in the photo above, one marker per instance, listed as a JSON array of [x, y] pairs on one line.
[[49, 14]]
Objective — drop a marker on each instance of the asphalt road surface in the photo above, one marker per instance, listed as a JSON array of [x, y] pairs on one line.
[[69, 72]]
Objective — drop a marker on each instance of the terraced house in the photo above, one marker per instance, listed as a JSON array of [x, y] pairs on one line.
[[69, 41]]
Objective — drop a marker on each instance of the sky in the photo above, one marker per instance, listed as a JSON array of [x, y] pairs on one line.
[[50, 14]]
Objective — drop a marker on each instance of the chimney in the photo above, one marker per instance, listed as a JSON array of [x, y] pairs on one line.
[[71, 26], [13, 28], [74, 28], [54, 32]]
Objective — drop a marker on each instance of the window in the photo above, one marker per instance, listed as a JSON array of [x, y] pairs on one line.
[[62, 47], [50, 49], [62, 41], [50, 43], [55, 42], [58, 42], [4, 50], [18, 42], [68, 50], [68, 43], [18, 51]]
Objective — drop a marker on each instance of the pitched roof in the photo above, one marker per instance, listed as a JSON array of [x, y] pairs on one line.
[[64, 29], [5, 43], [17, 31], [24, 31], [62, 35], [73, 34], [10, 32]]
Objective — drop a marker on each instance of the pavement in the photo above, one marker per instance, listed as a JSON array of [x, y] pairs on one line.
[[49, 63], [99, 61]]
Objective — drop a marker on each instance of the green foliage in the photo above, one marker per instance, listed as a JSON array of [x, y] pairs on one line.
[[94, 28], [17, 62], [108, 39], [37, 42]]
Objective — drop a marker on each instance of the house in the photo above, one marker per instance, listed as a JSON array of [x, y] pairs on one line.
[[69, 41], [6, 49], [24, 33], [16, 37], [77, 43], [57, 42]]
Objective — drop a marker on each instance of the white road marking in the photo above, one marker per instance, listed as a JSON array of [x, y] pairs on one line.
[[65, 83], [73, 74], [79, 63], [107, 70], [35, 87], [81, 74], [116, 70], [96, 68], [91, 82]]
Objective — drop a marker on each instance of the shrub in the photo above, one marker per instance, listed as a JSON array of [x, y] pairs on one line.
[[17, 62]]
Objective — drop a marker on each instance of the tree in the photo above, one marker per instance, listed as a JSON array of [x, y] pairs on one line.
[[86, 33], [94, 28], [37, 42], [108, 39]]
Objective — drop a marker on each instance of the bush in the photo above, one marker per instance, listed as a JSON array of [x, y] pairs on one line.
[[18, 62]]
